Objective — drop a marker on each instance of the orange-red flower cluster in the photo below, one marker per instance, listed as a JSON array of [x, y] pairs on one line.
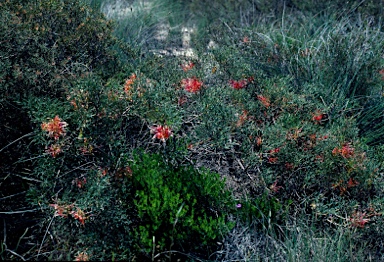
[[55, 127], [80, 182], [61, 210], [344, 186], [187, 66], [318, 117], [358, 219], [271, 158], [274, 187], [265, 101], [238, 84], [246, 39], [259, 141], [352, 182], [83, 256], [192, 85], [54, 150], [129, 82], [346, 151], [161, 132], [65, 210], [381, 72], [275, 150], [289, 166], [80, 215], [242, 118]]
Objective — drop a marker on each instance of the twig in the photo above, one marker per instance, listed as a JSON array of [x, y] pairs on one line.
[[230, 29], [19, 212], [29, 159], [66, 173], [27, 178], [5, 234], [26, 135], [42, 242], [14, 253], [12, 195], [241, 165], [153, 248], [18, 242]]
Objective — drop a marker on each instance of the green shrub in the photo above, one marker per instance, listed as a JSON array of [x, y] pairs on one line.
[[48, 43], [45, 45], [179, 207], [124, 158]]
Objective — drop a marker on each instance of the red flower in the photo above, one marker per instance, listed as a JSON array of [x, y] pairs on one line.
[[335, 151], [352, 182], [80, 183], [238, 84], [55, 127], [265, 101], [188, 66], [103, 171], [61, 210], [242, 118], [161, 132], [357, 219], [272, 160], [83, 256], [191, 85], [289, 166], [274, 151], [54, 150], [347, 151], [246, 39], [318, 117], [80, 215], [274, 187], [73, 103], [129, 82], [259, 141], [381, 72]]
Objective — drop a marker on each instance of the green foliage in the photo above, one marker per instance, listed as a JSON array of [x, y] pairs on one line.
[[177, 206], [41, 45], [127, 154], [265, 208]]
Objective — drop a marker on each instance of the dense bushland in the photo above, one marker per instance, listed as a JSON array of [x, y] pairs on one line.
[[265, 145]]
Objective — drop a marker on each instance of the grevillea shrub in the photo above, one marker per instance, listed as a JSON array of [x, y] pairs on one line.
[[114, 161], [45, 45], [115, 203]]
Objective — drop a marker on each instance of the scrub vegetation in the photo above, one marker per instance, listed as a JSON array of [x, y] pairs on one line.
[[263, 142]]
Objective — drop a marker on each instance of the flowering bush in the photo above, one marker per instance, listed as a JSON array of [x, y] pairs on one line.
[[191, 85], [161, 132], [54, 127], [156, 157]]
